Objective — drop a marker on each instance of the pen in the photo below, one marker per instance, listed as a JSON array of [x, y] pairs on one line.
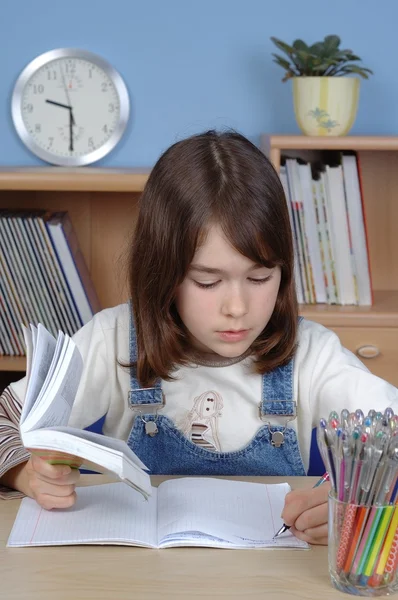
[[285, 527], [324, 445]]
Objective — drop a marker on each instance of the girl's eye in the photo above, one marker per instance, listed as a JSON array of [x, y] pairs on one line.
[[260, 281], [206, 286]]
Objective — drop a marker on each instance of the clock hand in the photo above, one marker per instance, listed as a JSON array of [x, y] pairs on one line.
[[58, 104], [67, 93], [71, 122]]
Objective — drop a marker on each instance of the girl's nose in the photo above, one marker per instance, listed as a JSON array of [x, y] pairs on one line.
[[234, 304]]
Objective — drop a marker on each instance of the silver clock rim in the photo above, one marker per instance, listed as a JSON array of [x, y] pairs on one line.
[[16, 108]]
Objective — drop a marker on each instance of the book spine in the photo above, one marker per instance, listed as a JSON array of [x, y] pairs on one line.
[[66, 303], [81, 265], [334, 289], [73, 265], [290, 165], [321, 239], [365, 228]]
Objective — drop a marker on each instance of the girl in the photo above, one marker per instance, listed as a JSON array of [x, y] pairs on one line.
[[209, 371]]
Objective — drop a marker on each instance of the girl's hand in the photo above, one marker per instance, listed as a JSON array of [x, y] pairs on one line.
[[52, 486], [306, 511]]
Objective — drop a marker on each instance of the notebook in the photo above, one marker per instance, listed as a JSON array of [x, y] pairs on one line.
[[188, 511]]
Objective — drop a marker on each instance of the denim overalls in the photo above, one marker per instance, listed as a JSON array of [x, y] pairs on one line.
[[166, 451]]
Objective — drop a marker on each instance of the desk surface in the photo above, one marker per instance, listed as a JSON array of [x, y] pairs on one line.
[[119, 573]]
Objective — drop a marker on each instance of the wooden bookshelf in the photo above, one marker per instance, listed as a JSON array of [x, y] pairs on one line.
[[102, 204], [383, 313], [274, 145], [370, 332]]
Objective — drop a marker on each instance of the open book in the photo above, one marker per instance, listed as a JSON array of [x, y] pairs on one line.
[[54, 368], [190, 511]]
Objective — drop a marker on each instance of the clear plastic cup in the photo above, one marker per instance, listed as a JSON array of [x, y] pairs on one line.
[[363, 548]]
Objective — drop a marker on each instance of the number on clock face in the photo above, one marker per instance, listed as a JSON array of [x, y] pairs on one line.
[[70, 107]]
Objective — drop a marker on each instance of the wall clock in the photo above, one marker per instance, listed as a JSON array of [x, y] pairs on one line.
[[70, 107]]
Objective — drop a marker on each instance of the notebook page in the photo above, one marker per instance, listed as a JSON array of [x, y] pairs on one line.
[[109, 513], [241, 513]]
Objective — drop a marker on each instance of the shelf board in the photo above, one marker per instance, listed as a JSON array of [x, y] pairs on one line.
[[13, 363], [84, 179], [383, 313], [304, 142]]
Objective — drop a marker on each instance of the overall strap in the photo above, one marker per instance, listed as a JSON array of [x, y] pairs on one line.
[[138, 396], [277, 396], [277, 392]]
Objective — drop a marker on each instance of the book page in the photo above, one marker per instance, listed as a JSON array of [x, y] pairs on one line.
[[43, 345], [211, 511], [89, 450], [59, 352], [52, 434], [27, 334], [56, 402], [111, 513], [119, 446]]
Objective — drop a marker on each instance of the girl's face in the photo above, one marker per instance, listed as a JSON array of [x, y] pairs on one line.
[[226, 300]]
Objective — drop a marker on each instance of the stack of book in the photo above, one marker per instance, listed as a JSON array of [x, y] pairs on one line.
[[43, 277], [327, 216]]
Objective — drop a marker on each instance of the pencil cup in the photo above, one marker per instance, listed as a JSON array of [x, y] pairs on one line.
[[363, 548]]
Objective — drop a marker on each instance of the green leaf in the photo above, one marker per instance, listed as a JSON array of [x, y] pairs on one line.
[[345, 54], [330, 61], [302, 58], [282, 46], [317, 49], [300, 45], [332, 41], [290, 51], [356, 70], [330, 71], [279, 60], [322, 68], [352, 57]]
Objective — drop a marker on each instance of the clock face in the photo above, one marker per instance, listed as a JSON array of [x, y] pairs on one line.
[[70, 107]]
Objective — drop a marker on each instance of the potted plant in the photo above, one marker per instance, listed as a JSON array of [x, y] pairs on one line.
[[325, 84]]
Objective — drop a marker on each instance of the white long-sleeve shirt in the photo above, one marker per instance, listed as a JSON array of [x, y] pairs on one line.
[[215, 406]]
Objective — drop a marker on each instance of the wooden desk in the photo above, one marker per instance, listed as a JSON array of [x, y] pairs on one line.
[[116, 573]]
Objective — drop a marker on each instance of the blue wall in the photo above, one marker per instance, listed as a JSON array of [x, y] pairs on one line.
[[194, 64]]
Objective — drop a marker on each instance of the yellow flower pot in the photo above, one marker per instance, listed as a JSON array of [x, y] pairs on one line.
[[325, 105]]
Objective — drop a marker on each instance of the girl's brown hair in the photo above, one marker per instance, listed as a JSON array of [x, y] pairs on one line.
[[209, 178]]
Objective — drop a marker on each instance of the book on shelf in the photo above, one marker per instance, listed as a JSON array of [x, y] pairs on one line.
[[70, 256], [296, 200], [357, 223], [311, 226], [326, 247], [54, 368], [43, 276], [339, 235], [187, 511], [297, 255], [327, 213]]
